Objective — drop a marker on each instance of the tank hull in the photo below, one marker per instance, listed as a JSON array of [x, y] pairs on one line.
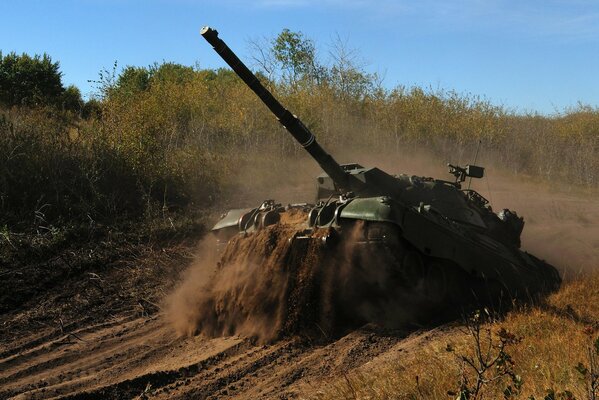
[[419, 247]]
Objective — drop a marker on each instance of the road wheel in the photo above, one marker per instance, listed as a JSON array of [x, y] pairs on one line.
[[413, 269]]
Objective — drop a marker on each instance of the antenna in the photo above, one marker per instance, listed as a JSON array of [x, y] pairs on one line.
[[475, 158]]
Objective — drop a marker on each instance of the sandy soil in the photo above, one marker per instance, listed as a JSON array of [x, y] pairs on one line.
[[117, 347], [128, 357]]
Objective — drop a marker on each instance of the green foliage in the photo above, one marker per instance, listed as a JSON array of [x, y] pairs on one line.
[[29, 81], [71, 99], [92, 109], [136, 154], [50, 179], [296, 54], [133, 80], [171, 72]]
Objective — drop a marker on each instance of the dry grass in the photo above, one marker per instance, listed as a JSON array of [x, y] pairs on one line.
[[555, 337]]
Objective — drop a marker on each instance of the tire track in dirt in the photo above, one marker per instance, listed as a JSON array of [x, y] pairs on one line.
[[23, 357], [207, 372], [76, 354], [108, 356], [283, 369], [23, 344], [144, 356]]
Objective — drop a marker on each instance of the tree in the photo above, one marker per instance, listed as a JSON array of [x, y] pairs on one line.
[[71, 99], [133, 80], [296, 55], [92, 109], [347, 73], [29, 81], [291, 59], [171, 72]]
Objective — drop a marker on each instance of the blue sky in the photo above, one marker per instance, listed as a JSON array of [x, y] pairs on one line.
[[526, 55]]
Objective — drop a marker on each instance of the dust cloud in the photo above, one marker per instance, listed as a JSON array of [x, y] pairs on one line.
[[273, 284], [246, 294], [254, 291], [183, 306], [561, 222]]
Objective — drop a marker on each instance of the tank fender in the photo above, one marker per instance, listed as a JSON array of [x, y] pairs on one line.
[[382, 209], [231, 218]]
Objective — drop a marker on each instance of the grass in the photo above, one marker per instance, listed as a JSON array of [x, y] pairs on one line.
[[553, 339]]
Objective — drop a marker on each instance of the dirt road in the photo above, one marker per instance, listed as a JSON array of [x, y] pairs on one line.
[[131, 356]]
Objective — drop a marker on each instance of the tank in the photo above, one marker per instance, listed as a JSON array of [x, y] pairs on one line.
[[436, 237]]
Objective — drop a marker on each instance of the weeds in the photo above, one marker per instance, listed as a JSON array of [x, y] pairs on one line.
[[589, 372], [490, 363]]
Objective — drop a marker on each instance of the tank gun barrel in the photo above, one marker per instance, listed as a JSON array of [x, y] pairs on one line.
[[293, 124]]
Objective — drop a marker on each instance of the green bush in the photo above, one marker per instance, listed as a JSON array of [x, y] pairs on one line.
[[34, 81]]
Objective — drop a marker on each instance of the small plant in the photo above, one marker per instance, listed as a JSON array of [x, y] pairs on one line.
[[5, 235], [590, 372], [490, 363]]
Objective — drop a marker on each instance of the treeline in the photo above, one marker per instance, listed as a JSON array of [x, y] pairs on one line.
[[170, 138]]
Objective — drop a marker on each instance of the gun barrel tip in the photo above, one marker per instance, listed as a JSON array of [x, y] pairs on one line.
[[206, 29]]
